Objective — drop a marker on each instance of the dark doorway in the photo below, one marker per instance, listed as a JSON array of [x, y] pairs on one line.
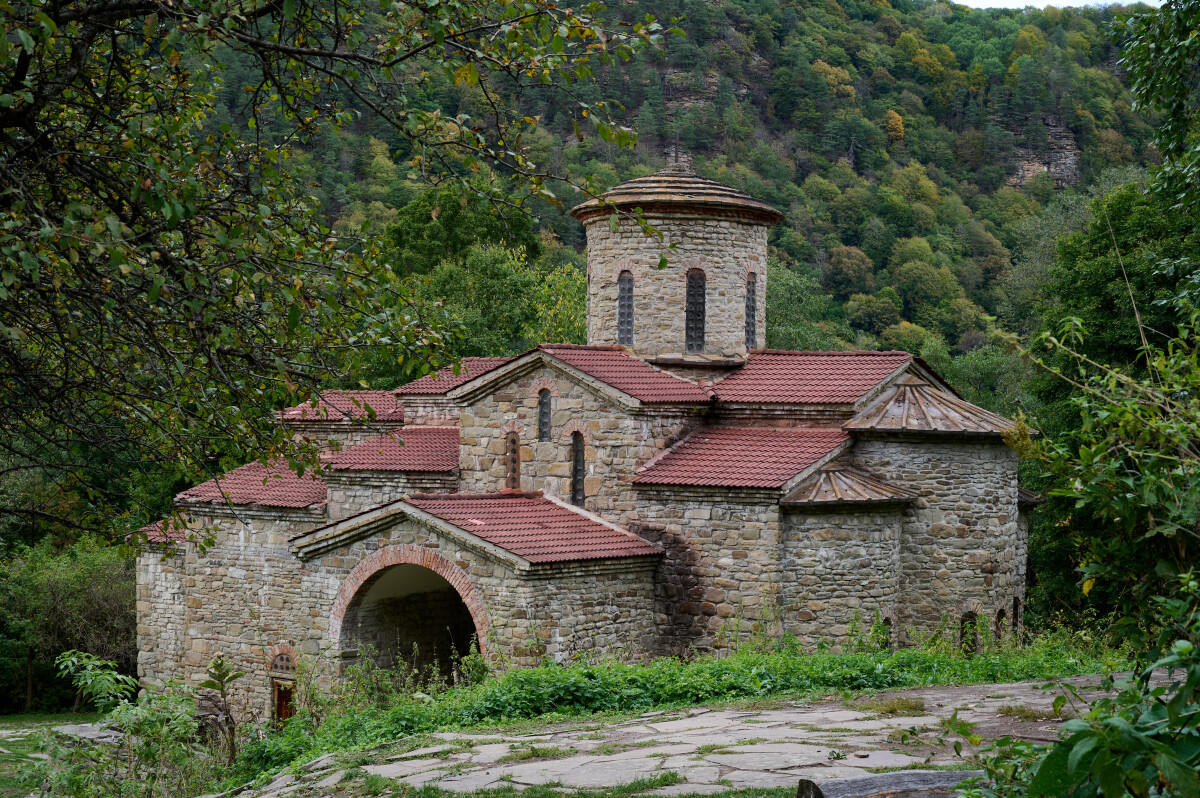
[[281, 699]]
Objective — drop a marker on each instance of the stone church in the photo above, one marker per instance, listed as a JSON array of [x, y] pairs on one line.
[[661, 490]]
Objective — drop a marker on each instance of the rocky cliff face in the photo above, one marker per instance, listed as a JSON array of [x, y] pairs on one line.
[[1059, 159]]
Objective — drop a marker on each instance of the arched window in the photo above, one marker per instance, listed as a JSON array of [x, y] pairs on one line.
[[283, 665], [544, 414], [577, 469], [283, 671], [752, 311], [694, 318], [512, 456], [968, 633], [625, 308]]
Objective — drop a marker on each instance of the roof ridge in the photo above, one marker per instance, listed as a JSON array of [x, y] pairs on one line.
[[591, 347], [830, 352], [506, 493]]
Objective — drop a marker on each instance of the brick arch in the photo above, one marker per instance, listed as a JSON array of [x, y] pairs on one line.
[[577, 425], [512, 426], [543, 384], [272, 652], [374, 564]]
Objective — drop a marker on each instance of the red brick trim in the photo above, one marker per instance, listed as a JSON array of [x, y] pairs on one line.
[[540, 384], [271, 652], [404, 554], [512, 426], [576, 425]]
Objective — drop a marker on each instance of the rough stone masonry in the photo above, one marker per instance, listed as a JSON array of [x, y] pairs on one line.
[[668, 487]]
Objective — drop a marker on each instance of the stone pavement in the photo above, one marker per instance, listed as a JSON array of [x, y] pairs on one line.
[[761, 744]]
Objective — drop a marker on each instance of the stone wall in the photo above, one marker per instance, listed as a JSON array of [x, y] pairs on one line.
[[616, 442], [249, 595], [352, 492], [726, 249], [959, 546], [338, 434], [837, 564], [722, 563], [162, 633]]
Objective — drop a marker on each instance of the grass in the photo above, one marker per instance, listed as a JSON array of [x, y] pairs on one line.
[[894, 705], [20, 748], [1025, 713], [536, 752], [580, 695], [608, 749]]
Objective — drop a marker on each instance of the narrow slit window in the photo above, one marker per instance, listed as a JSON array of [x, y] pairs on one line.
[[1016, 617], [694, 318], [625, 308], [752, 311], [544, 409], [968, 633], [577, 469], [512, 479]]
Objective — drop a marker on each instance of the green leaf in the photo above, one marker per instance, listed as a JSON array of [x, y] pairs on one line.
[[293, 320], [1053, 777]]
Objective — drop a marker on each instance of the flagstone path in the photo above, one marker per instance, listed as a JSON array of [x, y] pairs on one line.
[[763, 744]]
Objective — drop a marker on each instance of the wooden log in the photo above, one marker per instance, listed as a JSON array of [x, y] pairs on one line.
[[898, 784]]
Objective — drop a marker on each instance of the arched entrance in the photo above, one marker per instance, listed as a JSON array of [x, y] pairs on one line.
[[413, 608]]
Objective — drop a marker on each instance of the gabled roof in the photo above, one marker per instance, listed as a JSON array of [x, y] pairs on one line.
[[339, 405], [408, 449], [750, 457], [839, 485], [445, 380], [615, 366], [275, 485], [534, 528], [913, 405], [779, 377]]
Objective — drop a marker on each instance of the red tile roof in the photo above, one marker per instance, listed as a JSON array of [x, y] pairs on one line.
[[445, 380], [270, 486], [531, 526], [163, 531], [337, 405], [614, 366], [913, 405], [777, 377], [409, 449], [748, 457]]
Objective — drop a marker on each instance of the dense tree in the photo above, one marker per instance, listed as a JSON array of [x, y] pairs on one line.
[[165, 283]]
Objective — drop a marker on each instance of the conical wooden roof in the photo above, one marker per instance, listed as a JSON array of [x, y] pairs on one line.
[[678, 190], [836, 484], [914, 405]]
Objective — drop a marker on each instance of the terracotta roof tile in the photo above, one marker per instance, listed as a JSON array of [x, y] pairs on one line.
[[531, 526], [337, 405], [1027, 497], [836, 485], [749, 457], [445, 380], [776, 377], [913, 405], [163, 531], [409, 449], [270, 486], [614, 366]]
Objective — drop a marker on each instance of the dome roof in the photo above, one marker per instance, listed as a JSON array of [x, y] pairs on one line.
[[676, 189]]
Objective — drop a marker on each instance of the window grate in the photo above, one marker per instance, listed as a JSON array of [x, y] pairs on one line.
[[544, 409], [625, 308], [752, 311], [694, 320], [512, 479], [577, 469]]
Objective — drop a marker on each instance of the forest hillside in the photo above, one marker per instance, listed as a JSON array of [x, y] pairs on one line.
[[909, 146]]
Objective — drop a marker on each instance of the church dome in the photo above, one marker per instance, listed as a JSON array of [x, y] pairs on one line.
[[676, 189]]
